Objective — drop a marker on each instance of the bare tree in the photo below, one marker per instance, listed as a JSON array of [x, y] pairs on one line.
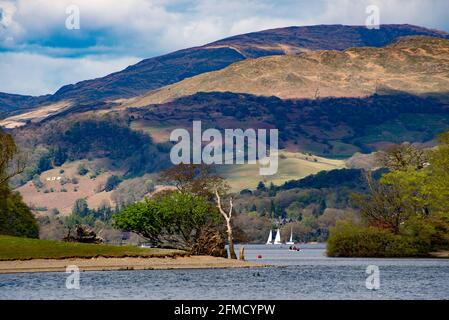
[[403, 157], [198, 179], [382, 206], [228, 218]]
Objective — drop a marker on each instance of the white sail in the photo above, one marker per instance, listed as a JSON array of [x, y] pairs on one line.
[[270, 238], [277, 240], [291, 237]]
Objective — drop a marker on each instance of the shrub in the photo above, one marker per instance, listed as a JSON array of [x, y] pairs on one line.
[[37, 182], [111, 183], [349, 240], [82, 170]]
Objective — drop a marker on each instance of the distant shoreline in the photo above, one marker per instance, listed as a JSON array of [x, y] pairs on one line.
[[127, 263]]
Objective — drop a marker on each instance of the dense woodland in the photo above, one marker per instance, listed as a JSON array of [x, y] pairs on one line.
[[405, 213], [332, 127]]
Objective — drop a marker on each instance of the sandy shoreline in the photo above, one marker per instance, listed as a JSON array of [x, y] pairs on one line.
[[104, 264]]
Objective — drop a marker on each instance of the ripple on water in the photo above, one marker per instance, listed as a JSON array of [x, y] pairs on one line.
[[308, 274]]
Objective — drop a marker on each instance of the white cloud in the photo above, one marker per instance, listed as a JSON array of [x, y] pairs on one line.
[[155, 26], [34, 74]]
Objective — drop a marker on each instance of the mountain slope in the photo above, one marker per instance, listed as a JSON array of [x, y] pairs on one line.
[[160, 71], [151, 73], [157, 72], [417, 65], [292, 40], [335, 127], [11, 103]]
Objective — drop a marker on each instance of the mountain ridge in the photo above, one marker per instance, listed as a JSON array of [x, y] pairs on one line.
[[414, 64], [156, 72]]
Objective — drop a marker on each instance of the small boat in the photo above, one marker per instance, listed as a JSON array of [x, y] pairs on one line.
[[291, 237], [277, 240]]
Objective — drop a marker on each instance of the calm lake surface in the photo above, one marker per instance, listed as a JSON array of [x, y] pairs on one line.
[[307, 274]]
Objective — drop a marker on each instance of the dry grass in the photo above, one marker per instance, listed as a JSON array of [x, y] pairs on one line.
[[416, 65], [291, 166], [40, 113], [63, 201]]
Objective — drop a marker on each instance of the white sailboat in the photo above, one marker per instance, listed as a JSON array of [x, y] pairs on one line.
[[277, 240], [270, 238], [291, 237]]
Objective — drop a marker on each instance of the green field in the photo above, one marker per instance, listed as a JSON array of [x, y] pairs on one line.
[[292, 166], [13, 248]]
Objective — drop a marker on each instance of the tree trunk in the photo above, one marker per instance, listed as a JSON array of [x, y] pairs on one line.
[[230, 240], [228, 217], [242, 253]]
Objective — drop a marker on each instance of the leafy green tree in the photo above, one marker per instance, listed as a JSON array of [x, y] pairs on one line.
[[408, 209], [44, 164], [103, 212], [59, 156], [37, 182], [82, 170], [261, 186], [80, 208], [174, 220], [438, 182], [111, 183], [15, 217], [294, 211]]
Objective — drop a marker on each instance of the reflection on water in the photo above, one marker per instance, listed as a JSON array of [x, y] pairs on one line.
[[307, 274]]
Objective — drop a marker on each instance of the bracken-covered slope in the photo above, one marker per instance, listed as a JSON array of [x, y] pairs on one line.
[[416, 65], [160, 71]]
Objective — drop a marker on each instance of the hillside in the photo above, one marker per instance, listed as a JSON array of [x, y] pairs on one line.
[[60, 187], [326, 103], [416, 65], [153, 73], [293, 40], [330, 127], [291, 166], [15, 103]]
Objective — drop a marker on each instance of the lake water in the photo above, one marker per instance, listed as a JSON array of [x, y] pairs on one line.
[[307, 274]]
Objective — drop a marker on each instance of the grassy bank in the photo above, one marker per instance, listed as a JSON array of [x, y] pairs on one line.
[[13, 248]]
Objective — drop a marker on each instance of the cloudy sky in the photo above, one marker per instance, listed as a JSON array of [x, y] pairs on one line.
[[39, 54]]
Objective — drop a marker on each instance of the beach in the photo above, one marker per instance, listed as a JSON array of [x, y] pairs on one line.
[[127, 263]]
